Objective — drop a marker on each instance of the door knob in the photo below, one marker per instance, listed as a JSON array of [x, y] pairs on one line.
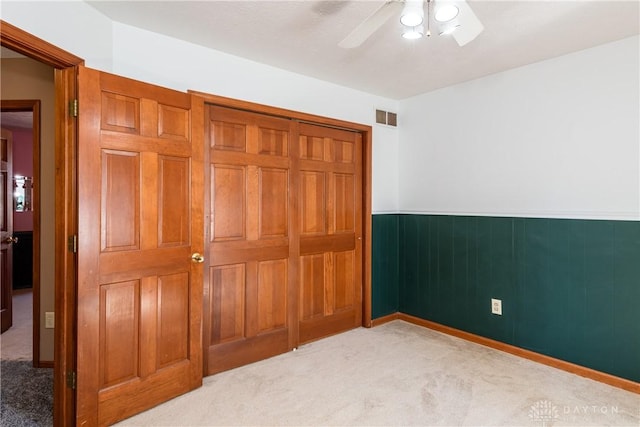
[[9, 240], [196, 257]]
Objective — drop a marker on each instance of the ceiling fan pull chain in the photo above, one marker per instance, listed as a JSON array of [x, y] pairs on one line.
[[428, 18]]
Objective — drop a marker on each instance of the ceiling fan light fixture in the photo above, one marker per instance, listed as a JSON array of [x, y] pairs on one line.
[[411, 19], [445, 12], [412, 14], [413, 33]]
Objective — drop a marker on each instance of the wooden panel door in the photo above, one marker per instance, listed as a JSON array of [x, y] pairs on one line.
[[6, 232], [252, 266], [329, 170], [141, 196]]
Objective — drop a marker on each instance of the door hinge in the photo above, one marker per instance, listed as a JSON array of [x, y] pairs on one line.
[[71, 380], [72, 244], [73, 108]]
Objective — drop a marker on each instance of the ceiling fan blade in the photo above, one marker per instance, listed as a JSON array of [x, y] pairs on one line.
[[470, 25], [369, 26]]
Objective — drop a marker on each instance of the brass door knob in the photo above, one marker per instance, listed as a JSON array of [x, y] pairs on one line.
[[196, 257], [10, 239]]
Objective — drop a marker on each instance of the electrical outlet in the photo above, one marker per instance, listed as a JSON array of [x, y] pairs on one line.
[[496, 306], [49, 319]]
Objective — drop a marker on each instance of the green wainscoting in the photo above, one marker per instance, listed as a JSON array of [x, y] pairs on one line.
[[570, 289], [385, 266]]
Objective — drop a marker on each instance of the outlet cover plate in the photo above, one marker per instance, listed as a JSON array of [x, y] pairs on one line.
[[496, 306], [49, 320]]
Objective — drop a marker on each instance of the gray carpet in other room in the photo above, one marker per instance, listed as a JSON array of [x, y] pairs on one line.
[[26, 396]]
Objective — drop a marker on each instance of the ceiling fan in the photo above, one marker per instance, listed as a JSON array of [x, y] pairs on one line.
[[453, 17]]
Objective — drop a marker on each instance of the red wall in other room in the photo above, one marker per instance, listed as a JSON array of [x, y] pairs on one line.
[[23, 165]]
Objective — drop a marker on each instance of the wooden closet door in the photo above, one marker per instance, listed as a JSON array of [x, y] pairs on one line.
[[251, 260], [140, 204], [329, 173]]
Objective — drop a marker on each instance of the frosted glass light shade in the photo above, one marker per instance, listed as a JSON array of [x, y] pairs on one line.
[[413, 33], [448, 29], [413, 13], [446, 12]]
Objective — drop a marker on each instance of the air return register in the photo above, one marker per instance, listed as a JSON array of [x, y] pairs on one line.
[[386, 118]]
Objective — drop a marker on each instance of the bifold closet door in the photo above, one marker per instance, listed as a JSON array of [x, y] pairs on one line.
[[285, 229], [252, 266], [329, 170]]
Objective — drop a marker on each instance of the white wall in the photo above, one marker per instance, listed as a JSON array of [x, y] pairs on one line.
[[70, 25], [558, 138], [121, 49], [176, 64]]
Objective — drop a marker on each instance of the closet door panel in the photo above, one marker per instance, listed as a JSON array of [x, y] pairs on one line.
[[247, 315], [285, 228], [330, 244], [227, 301]]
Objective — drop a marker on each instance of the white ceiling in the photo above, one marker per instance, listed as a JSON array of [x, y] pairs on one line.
[[303, 36], [16, 119]]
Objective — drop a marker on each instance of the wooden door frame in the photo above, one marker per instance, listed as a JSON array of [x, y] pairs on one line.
[[33, 105], [367, 148], [65, 69]]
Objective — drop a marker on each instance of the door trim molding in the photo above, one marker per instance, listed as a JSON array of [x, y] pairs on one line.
[[367, 148], [65, 65], [279, 112], [35, 48]]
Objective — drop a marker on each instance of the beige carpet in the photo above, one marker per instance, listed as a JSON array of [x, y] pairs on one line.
[[17, 342], [396, 374]]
